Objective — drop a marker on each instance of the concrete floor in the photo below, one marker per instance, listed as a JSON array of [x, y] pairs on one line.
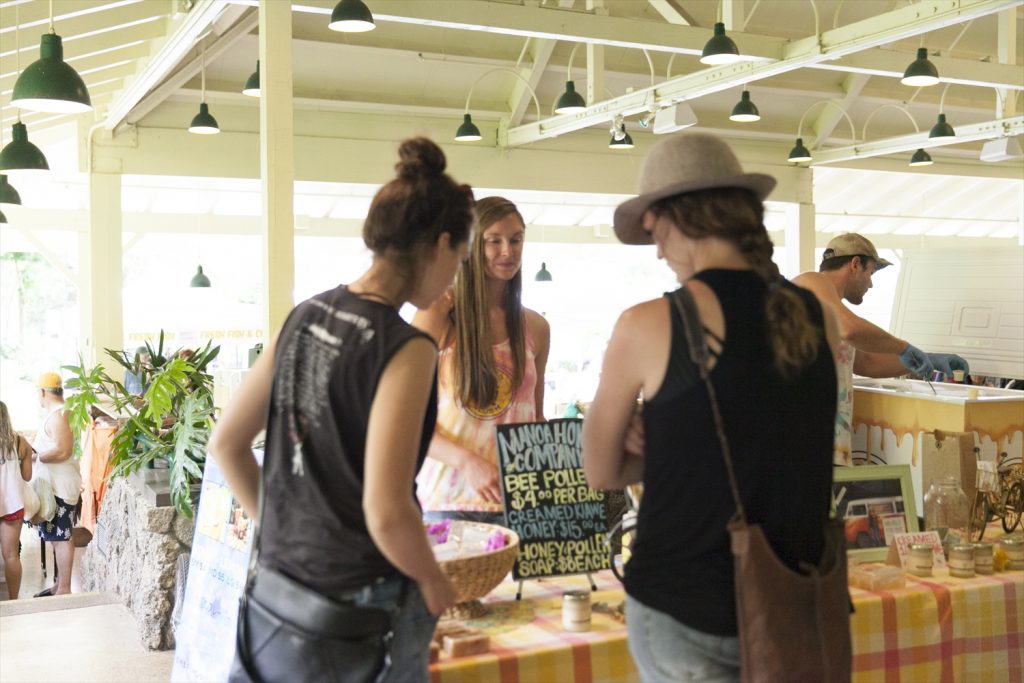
[[98, 636]]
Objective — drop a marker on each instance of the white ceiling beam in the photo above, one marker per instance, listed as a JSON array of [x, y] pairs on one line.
[[987, 130], [928, 15], [670, 12], [182, 36], [829, 117], [1007, 52], [540, 52], [241, 29], [951, 70]]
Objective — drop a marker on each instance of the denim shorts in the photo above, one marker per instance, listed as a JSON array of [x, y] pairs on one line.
[[666, 650]]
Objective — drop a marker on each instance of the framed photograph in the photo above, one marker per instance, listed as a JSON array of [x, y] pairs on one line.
[[875, 502]]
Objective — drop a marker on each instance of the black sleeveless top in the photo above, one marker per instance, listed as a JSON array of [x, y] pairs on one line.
[[329, 359], [780, 435]]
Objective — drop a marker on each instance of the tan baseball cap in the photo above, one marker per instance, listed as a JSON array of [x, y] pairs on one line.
[[49, 380], [680, 164], [852, 244]]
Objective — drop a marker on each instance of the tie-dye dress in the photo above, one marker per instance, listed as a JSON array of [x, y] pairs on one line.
[[441, 487]]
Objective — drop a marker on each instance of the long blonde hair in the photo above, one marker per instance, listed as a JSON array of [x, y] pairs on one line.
[[475, 374], [8, 437]]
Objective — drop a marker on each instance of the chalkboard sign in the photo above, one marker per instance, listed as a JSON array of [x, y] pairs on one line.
[[561, 522]]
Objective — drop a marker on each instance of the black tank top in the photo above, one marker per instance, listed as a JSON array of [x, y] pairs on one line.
[[780, 435], [329, 359]]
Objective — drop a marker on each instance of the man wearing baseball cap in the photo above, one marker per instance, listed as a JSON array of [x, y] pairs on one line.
[[845, 272], [53, 447]]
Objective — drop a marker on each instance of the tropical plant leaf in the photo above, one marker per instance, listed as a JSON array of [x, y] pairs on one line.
[[164, 386]]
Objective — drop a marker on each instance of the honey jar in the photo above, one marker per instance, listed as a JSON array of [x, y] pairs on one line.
[[1014, 548], [961, 561], [983, 558], [576, 611], [919, 561]]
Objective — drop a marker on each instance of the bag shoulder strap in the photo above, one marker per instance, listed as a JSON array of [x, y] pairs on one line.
[[683, 300]]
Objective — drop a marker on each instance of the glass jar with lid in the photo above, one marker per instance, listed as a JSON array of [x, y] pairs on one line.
[[946, 511]]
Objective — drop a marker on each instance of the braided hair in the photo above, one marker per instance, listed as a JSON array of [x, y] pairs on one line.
[[737, 215]]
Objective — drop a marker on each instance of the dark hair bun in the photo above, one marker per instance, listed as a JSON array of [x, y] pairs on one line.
[[419, 157]]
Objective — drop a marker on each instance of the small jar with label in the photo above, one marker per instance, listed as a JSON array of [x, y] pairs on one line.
[[919, 561], [961, 561], [576, 611], [983, 559], [1014, 548]]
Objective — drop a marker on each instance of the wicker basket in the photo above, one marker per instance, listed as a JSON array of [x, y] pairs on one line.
[[474, 576]]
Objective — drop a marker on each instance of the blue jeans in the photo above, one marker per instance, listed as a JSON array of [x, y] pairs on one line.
[[465, 516], [663, 649], [414, 627]]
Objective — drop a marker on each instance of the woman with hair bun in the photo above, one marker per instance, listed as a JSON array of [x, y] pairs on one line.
[[347, 394], [490, 372], [772, 367]]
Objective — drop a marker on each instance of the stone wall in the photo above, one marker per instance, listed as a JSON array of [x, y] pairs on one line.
[[133, 554]]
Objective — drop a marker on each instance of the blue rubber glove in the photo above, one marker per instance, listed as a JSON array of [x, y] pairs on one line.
[[917, 361], [948, 362]]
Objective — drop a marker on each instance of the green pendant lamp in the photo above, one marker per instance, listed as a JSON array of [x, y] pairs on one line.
[[745, 111], [199, 279], [8, 195], [921, 72], [50, 84], [940, 131], [203, 123], [921, 158], [467, 132], [571, 101], [720, 49], [351, 16], [799, 152], [543, 275], [252, 84], [3, 218], [20, 154], [620, 140]]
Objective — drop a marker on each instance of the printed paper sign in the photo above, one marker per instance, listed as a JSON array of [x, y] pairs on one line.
[[900, 548]]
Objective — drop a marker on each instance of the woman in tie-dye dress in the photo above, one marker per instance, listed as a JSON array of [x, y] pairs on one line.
[[490, 369]]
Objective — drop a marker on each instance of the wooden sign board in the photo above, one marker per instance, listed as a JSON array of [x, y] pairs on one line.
[[561, 522]]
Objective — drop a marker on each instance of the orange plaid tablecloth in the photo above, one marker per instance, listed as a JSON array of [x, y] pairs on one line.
[[528, 642], [935, 630]]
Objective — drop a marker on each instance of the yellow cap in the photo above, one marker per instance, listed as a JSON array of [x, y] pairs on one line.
[[49, 380]]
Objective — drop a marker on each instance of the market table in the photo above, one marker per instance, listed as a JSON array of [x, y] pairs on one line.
[[940, 629]]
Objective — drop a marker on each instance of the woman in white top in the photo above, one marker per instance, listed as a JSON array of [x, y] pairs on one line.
[[15, 467], [53, 446]]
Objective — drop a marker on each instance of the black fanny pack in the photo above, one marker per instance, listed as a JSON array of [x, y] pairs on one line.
[[288, 632]]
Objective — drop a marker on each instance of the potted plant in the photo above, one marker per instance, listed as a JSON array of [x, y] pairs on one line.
[[170, 421]]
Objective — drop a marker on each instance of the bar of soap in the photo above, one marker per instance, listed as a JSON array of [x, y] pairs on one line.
[[472, 643], [448, 627]]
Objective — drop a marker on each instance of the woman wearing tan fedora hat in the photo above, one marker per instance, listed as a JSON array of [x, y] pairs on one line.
[[773, 371]]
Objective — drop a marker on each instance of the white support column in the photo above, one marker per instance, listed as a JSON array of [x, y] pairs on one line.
[[99, 293], [277, 162], [800, 239], [595, 60], [1007, 45]]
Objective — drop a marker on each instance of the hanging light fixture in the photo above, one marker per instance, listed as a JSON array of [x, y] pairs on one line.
[[920, 157], [921, 72], [745, 111], [799, 152], [199, 279], [621, 139], [543, 275], [942, 130], [50, 84], [720, 49], [467, 131], [203, 123], [8, 195], [351, 16], [3, 218], [570, 101], [252, 84], [20, 154]]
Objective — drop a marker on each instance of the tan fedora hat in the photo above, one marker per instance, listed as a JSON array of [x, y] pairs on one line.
[[679, 164]]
